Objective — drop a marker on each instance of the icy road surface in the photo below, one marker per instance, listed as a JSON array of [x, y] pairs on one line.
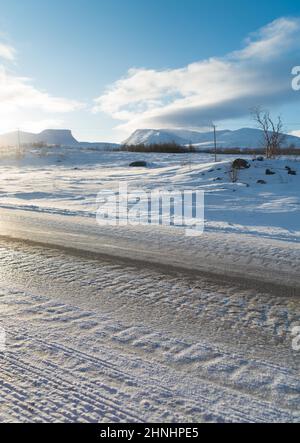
[[106, 338]]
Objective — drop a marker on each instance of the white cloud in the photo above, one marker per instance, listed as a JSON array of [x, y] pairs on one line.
[[296, 133], [278, 36], [18, 92], [21, 101], [37, 126], [208, 90], [7, 52]]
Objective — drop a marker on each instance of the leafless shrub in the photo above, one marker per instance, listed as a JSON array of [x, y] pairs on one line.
[[273, 136]]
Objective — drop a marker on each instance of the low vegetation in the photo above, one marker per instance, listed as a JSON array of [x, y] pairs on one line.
[[171, 148], [252, 151]]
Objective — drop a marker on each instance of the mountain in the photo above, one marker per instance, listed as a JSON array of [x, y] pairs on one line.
[[49, 137], [242, 138], [57, 137], [152, 136], [63, 137]]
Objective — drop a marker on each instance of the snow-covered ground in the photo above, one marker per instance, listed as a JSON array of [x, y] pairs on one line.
[[68, 181], [144, 323]]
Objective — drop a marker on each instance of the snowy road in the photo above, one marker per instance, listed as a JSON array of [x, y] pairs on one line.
[[231, 256], [100, 338]]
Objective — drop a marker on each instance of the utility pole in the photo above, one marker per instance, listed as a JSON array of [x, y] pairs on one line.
[[215, 141], [19, 147], [19, 142]]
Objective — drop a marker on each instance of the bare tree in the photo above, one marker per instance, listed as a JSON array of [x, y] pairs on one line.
[[273, 136]]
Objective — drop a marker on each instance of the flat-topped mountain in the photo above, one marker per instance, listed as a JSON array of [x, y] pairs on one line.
[[62, 137]]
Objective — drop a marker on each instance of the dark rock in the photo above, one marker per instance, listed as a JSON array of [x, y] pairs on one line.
[[138, 164], [240, 163], [269, 172], [261, 182], [290, 171], [260, 159], [217, 179]]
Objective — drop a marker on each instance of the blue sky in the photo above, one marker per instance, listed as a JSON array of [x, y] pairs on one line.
[[59, 58]]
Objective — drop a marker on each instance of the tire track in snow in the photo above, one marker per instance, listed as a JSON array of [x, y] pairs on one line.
[[208, 394], [77, 327]]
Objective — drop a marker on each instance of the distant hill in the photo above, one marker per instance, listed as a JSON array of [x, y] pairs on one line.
[[63, 137], [245, 138]]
